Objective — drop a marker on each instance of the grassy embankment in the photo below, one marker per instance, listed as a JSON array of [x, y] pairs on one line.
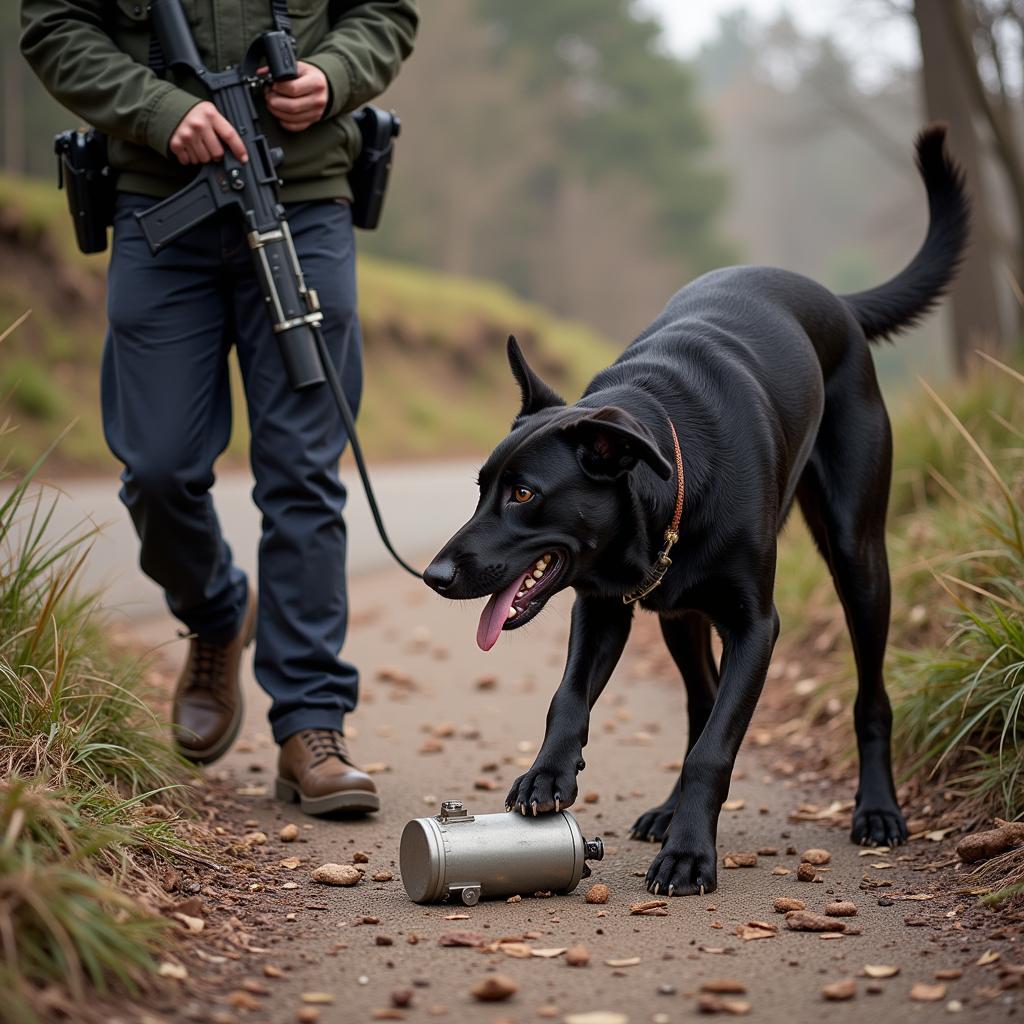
[[956, 658], [89, 786], [436, 378]]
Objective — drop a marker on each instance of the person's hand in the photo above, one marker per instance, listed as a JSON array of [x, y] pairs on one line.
[[300, 102], [202, 134]]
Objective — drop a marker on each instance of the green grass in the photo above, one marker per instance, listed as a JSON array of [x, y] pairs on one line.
[[90, 783]]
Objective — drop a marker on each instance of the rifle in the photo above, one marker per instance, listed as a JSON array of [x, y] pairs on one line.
[[252, 189]]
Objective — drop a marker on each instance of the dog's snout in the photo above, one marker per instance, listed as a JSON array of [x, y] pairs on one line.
[[440, 575]]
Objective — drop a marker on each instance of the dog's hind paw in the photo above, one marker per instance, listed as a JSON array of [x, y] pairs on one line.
[[683, 872], [652, 825], [878, 826], [542, 790]]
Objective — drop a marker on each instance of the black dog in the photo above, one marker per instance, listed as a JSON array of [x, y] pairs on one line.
[[768, 380]]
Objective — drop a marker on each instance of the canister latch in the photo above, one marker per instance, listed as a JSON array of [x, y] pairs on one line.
[[453, 810]]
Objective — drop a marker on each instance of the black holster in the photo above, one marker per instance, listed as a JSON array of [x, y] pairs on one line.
[[84, 173]]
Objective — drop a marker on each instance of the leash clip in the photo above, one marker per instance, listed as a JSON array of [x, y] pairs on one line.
[[652, 579]]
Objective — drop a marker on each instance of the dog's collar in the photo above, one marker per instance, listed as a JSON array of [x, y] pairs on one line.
[[656, 573]]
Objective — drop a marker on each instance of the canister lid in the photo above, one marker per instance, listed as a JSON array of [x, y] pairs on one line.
[[420, 859]]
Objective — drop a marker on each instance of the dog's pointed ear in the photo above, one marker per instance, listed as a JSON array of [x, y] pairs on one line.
[[536, 395], [611, 442]]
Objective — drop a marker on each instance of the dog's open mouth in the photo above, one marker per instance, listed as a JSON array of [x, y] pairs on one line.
[[521, 600]]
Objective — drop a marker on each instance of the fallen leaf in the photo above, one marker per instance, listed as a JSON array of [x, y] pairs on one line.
[[880, 971], [840, 991], [922, 992], [757, 930], [986, 958]]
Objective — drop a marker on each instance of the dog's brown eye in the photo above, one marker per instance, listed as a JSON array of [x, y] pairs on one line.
[[521, 494]]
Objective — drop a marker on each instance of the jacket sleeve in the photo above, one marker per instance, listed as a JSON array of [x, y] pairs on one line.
[[71, 50], [364, 49]]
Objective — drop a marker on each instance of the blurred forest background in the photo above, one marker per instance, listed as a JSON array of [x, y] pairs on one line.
[[563, 153]]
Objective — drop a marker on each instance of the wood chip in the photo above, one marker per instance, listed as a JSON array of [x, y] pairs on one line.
[[948, 974], [841, 908], [598, 893], [806, 921], [840, 991], [784, 904], [757, 930], [494, 989], [989, 957], [647, 906], [461, 939], [337, 874], [724, 986], [739, 860], [630, 961], [922, 992], [709, 1003], [548, 954], [318, 998]]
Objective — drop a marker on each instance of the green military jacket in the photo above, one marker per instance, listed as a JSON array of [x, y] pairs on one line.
[[92, 55]]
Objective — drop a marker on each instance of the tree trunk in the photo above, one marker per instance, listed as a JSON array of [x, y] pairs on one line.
[[974, 297]]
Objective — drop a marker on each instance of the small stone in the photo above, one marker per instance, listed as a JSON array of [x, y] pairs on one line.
[[289, 833], [784, 904], [841, 908], [255, 839], [806, 872], [591, 798], [577, 956], [598, 893], [816, 857], [307, 1014], [840, 991], [337, 874], [708, 1003], [382, 876], [666, 990], [740, 860], [401, 997], [384, 940], [495, 988], [272, 971], [948, 974], [359, 857], [514, 899]]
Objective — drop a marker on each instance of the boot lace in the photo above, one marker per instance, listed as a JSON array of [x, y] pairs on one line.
[[324, 744], [206, 668]]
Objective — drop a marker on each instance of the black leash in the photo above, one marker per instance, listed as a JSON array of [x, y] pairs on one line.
[[350, 425]]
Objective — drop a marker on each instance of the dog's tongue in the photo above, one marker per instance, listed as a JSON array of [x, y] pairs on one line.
[[495, 613]]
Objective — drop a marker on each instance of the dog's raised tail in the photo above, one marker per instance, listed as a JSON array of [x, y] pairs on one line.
[[901, 302]]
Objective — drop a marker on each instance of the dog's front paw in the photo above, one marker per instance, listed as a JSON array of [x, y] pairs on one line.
[[878, 823], [542, 789], [683, 869], [652, 826]]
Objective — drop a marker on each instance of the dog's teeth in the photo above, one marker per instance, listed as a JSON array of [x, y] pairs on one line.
[[537, 573], [546, 559], [530, 582], [541, 564], [511, 613], [522, 593]]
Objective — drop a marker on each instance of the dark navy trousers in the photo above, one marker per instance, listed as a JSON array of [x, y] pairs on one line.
[[167, 416]]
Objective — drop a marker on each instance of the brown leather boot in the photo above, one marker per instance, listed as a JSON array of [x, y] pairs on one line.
[[208, 699], [314, 770]]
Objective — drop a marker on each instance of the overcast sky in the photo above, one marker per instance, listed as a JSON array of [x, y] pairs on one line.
[[876, 41]]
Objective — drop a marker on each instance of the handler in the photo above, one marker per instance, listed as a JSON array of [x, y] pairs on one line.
[[172, 321]]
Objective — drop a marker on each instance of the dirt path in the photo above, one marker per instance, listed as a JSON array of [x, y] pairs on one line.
[[312, 933]]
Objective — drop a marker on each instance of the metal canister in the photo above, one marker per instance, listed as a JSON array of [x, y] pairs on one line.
[[471, 857]]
